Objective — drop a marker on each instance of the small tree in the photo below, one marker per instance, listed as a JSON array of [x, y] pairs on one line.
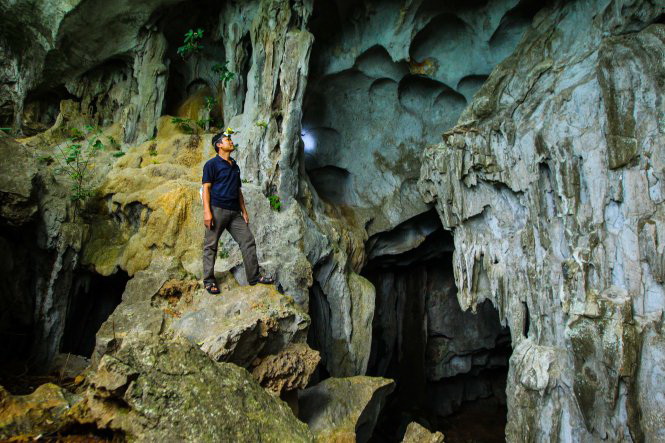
[[192, 43], [74, 160]]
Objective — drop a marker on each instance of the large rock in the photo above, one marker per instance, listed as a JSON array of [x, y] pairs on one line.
[[44, 411], [62, 46], [239, 325], [344, 409], [242, 323], [416, 433], [39, 251], [553, 184], [150, 389], [288, 370], [154, 390], [17, 185]]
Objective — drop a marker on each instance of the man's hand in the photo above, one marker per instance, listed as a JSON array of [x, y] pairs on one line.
[[245, 215], [207, 219]]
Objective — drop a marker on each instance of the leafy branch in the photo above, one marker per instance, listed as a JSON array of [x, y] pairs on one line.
[[225, 75], [192, 43], [75, 160]]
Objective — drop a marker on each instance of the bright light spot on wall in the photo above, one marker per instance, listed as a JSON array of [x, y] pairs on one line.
[[309, 140]]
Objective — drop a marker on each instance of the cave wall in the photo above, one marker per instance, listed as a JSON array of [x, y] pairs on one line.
[[552, 182], [40, 251], [386, 80], [45, 45], [376, 97]]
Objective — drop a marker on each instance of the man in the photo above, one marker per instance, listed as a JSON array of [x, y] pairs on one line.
[[224, 208]]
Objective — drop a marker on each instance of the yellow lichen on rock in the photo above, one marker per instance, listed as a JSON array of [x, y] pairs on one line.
[[150, 205]]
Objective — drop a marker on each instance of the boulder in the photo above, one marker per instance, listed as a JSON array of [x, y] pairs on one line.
[[157, 390], [344, 409], [243, 323], [44, 411], [288, 370], [17, 184], [416, 433], [237, 326]]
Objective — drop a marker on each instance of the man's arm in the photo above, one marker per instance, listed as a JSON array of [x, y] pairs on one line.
[[207, 213], [245, 215]]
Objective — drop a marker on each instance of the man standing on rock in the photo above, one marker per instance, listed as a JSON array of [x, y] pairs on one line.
[[224, 208]]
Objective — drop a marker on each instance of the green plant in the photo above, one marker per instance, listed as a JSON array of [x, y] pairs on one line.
[[223, 253], [262, 124], [275, 202], [203, 122], [75, 134], [210, 102], [225, 75], [186, 125], [7, 130], [75, 161], [192, 43], [45, 159], [152, 150], [118, 154], [113, 142]]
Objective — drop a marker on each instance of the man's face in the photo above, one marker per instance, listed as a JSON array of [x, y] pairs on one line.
[[226, 144]]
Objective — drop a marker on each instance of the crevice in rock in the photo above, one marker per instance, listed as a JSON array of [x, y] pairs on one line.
[[94, 298], [246, 65], [450, 366], [319, 334], [527, 321]]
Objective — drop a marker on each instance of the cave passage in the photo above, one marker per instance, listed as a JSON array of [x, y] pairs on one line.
[[450, 366], [94, 297]]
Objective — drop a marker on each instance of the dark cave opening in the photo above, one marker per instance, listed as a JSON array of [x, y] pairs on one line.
[[93, 299], [450, 366], [193, 72]]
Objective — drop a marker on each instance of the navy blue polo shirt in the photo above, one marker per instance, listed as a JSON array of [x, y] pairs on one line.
[[225, 179]]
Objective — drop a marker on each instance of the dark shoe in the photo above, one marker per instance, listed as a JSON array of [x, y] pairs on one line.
[[264, 281], [212, 288]]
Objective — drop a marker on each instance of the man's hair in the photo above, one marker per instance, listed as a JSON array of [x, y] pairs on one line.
[[216, 139]]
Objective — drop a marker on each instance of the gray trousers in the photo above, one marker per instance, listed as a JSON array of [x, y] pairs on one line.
[[235, 224]]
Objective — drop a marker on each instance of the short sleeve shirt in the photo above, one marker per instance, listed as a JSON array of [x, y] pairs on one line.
[[225, 180]]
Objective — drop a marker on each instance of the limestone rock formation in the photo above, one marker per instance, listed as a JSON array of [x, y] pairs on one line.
[[416, 433], [239, 325], [552, 184], [344, 409], [150, 389], [288, 370], [156, 390], [44, 411], [41, 248]]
